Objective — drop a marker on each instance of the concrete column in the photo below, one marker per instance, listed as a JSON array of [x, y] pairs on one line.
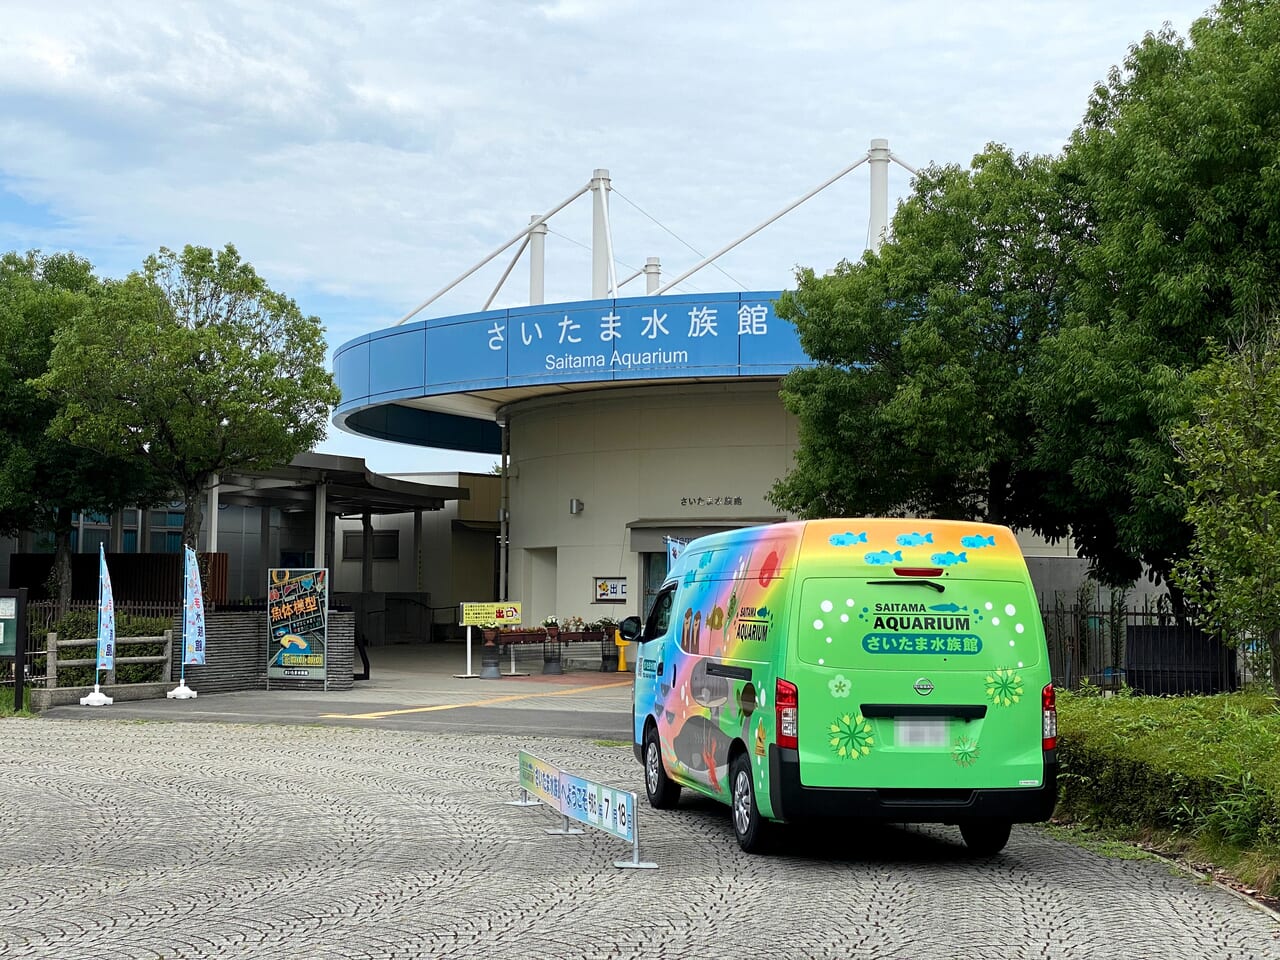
[[322, 522], [652, 275], [878, 224], [537, 262], [417, 550], [366, 562], [144, 530], [264, 549], [599, 234], [211, 520], [115, 542]]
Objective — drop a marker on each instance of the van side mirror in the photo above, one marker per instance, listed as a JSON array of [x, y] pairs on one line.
[[629, 629]]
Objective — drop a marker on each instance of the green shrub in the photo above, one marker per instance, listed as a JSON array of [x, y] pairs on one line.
[[1205, 769]]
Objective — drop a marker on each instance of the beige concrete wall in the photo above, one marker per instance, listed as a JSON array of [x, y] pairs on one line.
[[633, 456]]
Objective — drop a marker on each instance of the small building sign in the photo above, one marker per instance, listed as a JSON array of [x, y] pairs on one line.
[[611, 590], [478, 614]]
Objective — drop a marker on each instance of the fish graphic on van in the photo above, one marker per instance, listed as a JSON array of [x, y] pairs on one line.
[[882, 557], [946, 607], [847, 539], [914, 539], [977, 542], [949, 559]]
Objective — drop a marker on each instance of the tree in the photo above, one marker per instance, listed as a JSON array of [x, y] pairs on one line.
[[919, 400], [196, 364], [43, 479], [1231, 453], [1175, 175]]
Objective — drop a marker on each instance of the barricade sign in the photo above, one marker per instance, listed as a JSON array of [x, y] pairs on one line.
[[583, 801]]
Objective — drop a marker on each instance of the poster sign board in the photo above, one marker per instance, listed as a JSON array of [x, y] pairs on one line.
[[478, 614], [577, 798], [297, 623], [8, 626]]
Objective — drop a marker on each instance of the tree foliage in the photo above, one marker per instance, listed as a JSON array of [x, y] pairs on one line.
[[1175, 174], [919, 401], [1231, 453], [43, 478], [196, 364], [1020, 349]]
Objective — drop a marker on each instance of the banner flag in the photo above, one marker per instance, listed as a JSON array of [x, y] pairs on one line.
[[673, 550], [106, 615], [193, 608]]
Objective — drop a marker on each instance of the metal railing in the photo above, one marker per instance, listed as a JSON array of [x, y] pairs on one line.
[[1150, 651]]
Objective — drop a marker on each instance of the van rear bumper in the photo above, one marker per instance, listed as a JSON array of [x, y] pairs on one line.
[[792, 800]]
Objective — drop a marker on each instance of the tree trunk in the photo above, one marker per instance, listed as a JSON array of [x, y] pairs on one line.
[[60, 575], [1275, 662], [191, 499]]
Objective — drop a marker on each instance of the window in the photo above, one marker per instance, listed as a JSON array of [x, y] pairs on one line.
[[386, 545], [660, 615]]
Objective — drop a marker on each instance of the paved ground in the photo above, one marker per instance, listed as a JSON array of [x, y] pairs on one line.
[[354, 839]]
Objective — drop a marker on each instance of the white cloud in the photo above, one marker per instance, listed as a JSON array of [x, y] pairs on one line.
[[375, 151]]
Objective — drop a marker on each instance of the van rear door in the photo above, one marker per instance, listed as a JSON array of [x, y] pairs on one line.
[[919, 682]]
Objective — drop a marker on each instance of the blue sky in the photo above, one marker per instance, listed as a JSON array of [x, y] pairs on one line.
[[361, 155]]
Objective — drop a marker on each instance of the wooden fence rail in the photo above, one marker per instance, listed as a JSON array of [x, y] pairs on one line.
[[53, 661]]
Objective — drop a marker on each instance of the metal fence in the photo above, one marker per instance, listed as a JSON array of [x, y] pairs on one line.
[[42, 616], [1150, 651]]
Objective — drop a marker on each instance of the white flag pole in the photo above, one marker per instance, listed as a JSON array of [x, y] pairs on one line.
[[190, 598], [98, 698]]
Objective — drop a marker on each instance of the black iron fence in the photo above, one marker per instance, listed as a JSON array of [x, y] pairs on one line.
[[1150, 651]]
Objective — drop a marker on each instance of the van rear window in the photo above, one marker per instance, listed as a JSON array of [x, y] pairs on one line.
[[893, 624]]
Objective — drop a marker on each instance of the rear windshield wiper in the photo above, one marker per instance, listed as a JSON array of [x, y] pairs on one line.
[[907, 583]]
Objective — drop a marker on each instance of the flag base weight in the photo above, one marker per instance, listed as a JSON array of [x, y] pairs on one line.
[[95, 699], [182, 692]]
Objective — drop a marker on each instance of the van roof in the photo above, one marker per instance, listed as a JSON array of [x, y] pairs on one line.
[[957, 548]]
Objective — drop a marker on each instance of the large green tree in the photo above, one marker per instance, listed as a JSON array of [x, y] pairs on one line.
[[919, 401], [196, 364], [1230, 452], [43, 478], [1175, 175]]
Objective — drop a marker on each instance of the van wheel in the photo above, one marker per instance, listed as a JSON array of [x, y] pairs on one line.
[[985, 838], [663, 792], [749, 826]]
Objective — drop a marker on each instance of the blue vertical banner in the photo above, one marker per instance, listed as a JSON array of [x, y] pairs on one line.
[[193, 608], [106, 615]]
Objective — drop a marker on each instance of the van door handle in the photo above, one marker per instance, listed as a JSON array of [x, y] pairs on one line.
[[659, 668]]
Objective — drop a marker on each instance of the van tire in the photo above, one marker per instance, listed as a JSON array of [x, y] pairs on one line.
[[663, 792], [749, 826], [985, 838]]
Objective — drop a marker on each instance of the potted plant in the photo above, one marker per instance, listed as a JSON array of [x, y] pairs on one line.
[[552, 626], [490, 631]]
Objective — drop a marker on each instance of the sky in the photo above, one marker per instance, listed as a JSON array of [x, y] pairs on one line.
[[362, 154]]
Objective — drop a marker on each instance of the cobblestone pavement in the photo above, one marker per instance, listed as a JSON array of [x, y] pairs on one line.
[[163, 840]]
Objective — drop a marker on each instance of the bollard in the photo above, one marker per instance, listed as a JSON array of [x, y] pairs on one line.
[[622, 650]]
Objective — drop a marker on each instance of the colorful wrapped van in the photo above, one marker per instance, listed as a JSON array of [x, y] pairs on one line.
[[882, 668]]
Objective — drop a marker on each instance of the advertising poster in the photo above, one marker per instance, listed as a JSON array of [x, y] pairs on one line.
[[297, 606]]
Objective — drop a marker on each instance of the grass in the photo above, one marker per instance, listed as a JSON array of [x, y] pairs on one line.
[[1195, 778], [6, 704]]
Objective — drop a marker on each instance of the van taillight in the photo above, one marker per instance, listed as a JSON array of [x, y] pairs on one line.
[[1050, 704], [786, 701]]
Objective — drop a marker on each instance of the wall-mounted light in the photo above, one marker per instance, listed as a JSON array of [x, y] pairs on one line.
[[576, 506]]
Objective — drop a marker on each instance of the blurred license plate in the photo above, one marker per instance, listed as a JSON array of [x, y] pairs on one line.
[[920, 732]]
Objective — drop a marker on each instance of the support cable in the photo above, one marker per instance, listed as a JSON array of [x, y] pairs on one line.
[[754, 230], [523, 233]]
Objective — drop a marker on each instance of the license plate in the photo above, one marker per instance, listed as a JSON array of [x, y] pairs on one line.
[[920, 732]]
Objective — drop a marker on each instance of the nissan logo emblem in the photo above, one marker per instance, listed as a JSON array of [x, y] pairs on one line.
[[924, 686]]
